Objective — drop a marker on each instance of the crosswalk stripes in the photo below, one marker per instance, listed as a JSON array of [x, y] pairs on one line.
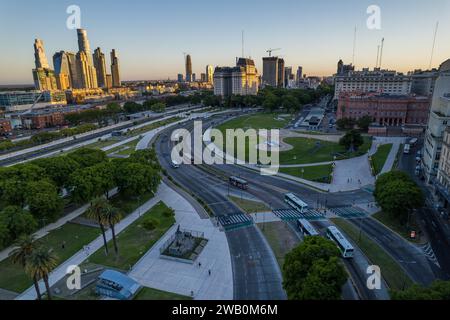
[[290, 215], [235, 221], [428, 250], [348, 212]]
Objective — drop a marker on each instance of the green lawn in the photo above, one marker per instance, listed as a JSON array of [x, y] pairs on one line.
[[391, 271], [12, 277], [316, 173], [135, 241], [397, 226], [280, 238], [153, 294], [379, 158], [250, 206], [152, 126], [257, 121], [308, 150]]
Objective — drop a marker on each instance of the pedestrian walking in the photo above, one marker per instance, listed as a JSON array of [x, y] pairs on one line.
[[209, 272], [199, 264]]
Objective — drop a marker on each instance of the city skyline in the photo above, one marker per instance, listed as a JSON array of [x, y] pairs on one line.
[[314, 35]]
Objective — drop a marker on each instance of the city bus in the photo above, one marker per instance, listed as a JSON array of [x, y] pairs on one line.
[[238, 182], [342, 243], [306, 228], [292, 200]]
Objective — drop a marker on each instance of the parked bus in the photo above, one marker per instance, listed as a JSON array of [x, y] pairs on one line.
[[407, 149], [238, 182], [342, 243], [292, 200], [306, 228]]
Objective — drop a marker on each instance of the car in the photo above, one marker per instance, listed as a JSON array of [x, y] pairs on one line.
[[175, 165]]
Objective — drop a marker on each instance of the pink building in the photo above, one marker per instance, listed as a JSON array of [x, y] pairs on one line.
[[386, 110]]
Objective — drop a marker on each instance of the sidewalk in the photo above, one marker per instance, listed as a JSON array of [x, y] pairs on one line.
[[182, 278]]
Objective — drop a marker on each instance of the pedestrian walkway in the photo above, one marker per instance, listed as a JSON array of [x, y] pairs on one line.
[[60, 272], [4, 254], [291, 215], [232, 222], [349, 212], [182, 278]]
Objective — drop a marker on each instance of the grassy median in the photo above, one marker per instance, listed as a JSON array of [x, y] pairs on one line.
[[392, 272]]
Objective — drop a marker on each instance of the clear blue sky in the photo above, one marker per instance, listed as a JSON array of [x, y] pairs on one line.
[[151, 36]]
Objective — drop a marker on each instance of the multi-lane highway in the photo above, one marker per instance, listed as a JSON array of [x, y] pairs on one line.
[[255, 270], [271, 190]]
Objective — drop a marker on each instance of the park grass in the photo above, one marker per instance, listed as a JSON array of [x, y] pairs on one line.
[[398, 227], [13, 277], [308, 150], [392, 272], [280, 238], [135, 241], [152, 126], [256, 121], [320, 173], [154, 294], [249, 206], [379, 158]]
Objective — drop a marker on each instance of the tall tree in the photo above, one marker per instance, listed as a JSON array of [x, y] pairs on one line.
[[352, 140], [39, 265], [98, 212], [314, 262], [24, 247], [43, 200], [18, 222], [113, 216]]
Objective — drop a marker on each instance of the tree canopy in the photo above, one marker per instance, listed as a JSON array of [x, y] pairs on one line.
[[313, 271]]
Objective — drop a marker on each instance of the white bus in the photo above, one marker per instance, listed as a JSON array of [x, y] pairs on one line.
[[407, 149], [306, 228], [343, 244], [292, 200]]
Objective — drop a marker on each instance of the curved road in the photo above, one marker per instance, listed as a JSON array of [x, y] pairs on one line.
[[255, 271]]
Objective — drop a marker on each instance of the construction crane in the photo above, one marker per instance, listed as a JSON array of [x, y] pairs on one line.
[[34, 104], [270, 51]]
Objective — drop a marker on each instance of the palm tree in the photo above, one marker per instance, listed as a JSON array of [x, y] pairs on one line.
[[97, 211], [25, 246], [39, 264], [113, 216]]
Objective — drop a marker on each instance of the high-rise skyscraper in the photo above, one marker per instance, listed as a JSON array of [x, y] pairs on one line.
[[44, 77], [40, 59], [115, 69], [100, 67], [281, 82], [180, 77], [299, 74], [273, 72], [288, 76], [209, 73], [61, 62], [240, 80], [86, 69], [188, 68]]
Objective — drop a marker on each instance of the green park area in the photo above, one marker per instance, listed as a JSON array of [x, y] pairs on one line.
[[73, 236], [154, 294], [395, 276], [401, 228], [379, 158], [280, 237], [257, 121], [322, 173], [304, 150], [249, 206], [136, 239], [307, 150]]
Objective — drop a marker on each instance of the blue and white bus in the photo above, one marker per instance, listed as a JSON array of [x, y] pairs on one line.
[[342, 243], [306, 228], [292, 200]]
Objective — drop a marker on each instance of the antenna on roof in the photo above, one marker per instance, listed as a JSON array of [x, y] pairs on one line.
[[434, 45], [242, 44], [378, 56], [381, 52], [354, 46]]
